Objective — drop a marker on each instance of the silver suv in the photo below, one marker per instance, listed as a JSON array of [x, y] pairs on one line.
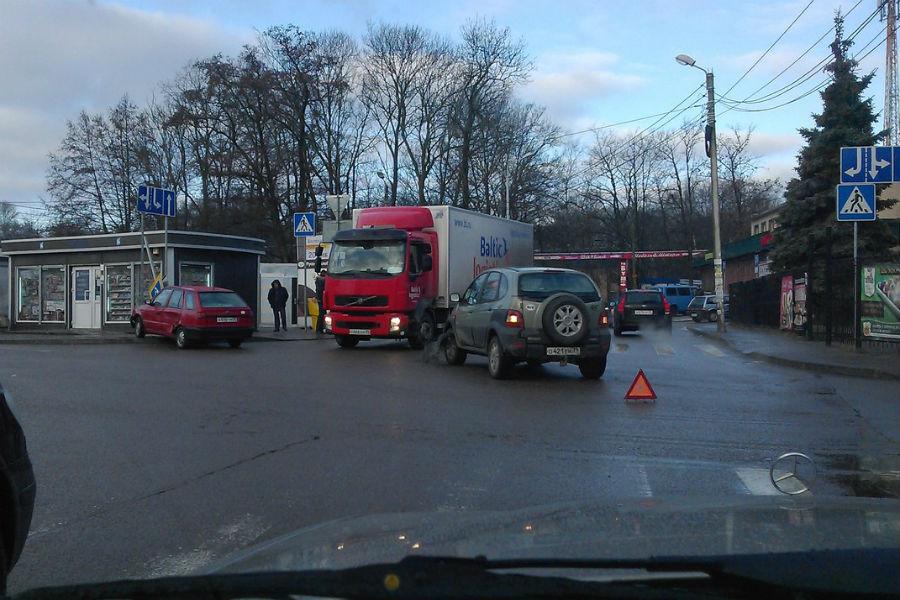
[[533, 315]]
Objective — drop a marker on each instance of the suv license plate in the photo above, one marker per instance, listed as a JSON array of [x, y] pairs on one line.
[[226, 319], [644, 312], [563, 351], [360, 332]]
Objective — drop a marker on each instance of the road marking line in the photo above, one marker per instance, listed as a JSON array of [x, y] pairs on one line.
[[643, 483], [711, 350], [663, 350], [757, 481]]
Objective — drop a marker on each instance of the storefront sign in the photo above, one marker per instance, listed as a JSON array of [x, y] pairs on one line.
[[623, 275], [880, 291], [799, 308]]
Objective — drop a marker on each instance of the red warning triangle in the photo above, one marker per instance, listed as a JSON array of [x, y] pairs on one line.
[[640, 388]]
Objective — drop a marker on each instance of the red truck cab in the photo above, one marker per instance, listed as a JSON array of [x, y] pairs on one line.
[[381, 280]]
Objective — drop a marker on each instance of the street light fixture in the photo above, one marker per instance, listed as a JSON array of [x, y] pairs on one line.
[[687, 61], [382, 177]]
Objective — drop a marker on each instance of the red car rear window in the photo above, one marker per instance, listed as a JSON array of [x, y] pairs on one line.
[[221, 300]]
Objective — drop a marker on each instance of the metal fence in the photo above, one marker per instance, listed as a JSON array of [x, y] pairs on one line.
[[829, 301]]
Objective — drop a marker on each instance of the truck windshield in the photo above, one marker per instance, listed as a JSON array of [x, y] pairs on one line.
[[358, 257]]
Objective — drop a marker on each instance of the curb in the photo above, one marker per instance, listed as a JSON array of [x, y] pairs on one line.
[[62, 341], [272, 339], [799, 364]]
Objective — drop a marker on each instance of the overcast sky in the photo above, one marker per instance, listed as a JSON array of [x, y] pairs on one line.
[[596, 62]]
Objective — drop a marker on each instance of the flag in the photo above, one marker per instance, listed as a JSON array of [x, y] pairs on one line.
[[156, 286]]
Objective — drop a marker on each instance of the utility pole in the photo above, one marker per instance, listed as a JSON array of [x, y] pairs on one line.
[[687, 61], [714, 190]]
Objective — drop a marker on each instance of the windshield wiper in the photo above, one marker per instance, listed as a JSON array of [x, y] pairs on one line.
[[437, 578]]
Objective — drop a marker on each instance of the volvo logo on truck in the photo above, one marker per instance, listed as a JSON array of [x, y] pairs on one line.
[[493, 247]]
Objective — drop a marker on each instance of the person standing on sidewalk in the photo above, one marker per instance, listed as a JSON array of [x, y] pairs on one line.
[[320, 300], [278, 297]]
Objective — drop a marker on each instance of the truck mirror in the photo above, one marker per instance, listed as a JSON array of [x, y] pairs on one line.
[[454, 297], [427, 263]]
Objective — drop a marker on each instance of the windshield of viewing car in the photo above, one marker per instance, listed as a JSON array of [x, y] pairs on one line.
[[539, 286], [487, 221], [369, 257], [221, 300]]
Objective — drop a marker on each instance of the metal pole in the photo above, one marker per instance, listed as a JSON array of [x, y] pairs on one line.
[[811, 247], [165, 261], [714, 189], [828, 286], [140, 282], [857, 341]]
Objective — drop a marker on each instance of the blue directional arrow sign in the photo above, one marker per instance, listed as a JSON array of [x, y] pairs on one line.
[[868, 164], [156, 201], [856, 202], [304, 224]]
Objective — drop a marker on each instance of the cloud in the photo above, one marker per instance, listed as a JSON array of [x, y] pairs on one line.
[[570, 83], [58, 58], [769, 144]]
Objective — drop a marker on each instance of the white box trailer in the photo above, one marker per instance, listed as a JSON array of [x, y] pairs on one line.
[[472, 242]]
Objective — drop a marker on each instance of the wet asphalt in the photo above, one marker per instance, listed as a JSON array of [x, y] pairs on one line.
[[153, 461]]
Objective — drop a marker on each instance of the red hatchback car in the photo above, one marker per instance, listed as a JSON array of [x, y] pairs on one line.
[[195, 313]]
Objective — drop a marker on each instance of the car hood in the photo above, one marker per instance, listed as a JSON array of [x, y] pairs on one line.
[[635, 529]]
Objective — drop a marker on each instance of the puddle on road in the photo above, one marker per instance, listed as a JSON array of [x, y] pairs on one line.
[[866, 476]]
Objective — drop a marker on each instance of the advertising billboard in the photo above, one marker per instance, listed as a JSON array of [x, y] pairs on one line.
[[880, 291]]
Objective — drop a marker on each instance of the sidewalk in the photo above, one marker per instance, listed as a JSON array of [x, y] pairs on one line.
[[791, 350], [66, 338]]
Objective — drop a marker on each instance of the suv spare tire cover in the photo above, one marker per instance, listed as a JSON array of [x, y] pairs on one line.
[[578, 314]]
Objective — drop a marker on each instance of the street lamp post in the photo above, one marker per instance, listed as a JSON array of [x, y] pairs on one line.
[[687, 61]]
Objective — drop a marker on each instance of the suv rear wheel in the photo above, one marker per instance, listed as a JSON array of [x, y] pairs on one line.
[[592, 368], [498, 362]]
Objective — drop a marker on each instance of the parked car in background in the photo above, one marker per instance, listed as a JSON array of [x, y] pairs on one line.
[[534, 315], [17, 488], [642, 309], [679, 296], [195, 314], [704, 308]]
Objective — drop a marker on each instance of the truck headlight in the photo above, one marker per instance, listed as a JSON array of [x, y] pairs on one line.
[[328, 321], [395, 323]]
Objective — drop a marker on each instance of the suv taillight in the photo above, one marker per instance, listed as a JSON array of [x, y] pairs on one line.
[[666, 306], [621, 306], [515, 319], [603, 321]]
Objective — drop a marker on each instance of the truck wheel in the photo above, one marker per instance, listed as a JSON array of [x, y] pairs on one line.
[[498, 363], [592, 368], [139, 330], [424, 332], [453, 354], [346, 341]]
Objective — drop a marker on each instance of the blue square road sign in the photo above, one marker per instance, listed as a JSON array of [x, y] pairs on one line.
[[304, 224], [856, 202]]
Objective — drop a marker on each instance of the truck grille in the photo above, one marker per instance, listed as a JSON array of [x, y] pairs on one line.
[[361, 300], [356, 324]]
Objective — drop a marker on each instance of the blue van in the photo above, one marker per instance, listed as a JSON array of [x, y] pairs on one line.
[[678, 295]]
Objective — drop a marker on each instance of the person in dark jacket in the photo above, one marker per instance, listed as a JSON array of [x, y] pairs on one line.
[[320, 299], [278, 297]]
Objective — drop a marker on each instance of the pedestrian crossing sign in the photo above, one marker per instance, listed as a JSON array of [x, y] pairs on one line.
[[856, 202], [304, 224]]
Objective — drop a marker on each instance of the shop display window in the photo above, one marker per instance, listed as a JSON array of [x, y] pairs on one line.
[[53, 294], [29, 294]]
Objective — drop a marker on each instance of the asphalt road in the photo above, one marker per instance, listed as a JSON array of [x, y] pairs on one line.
[[154, 461]]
